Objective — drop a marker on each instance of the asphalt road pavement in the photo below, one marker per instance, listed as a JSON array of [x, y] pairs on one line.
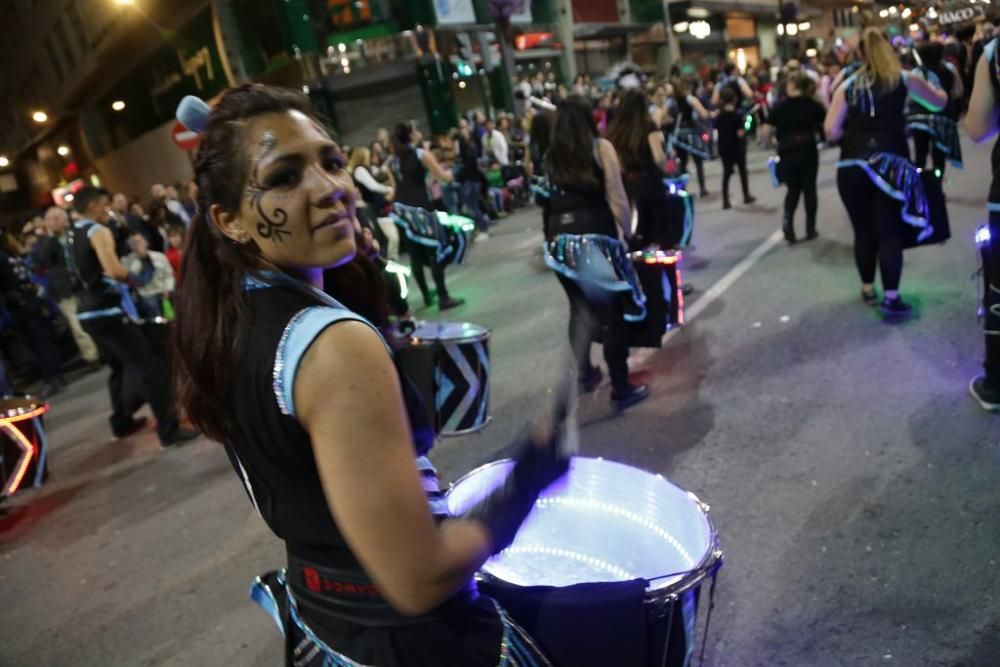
[[851, 478]]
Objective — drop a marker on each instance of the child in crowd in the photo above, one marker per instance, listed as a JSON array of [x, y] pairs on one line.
[[732, 146], [175, 241], [499, 197]]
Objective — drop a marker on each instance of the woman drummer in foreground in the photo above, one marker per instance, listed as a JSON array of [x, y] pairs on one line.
[[314, 417]]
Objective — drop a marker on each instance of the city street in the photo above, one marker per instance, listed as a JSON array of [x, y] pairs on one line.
[[852, 479]]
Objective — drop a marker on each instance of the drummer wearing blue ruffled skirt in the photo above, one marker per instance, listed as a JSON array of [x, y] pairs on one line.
[[878, 184], [319, 426], [982, 123]]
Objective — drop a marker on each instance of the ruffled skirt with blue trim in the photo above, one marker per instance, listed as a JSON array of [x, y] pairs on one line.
[[600, 265], [898, 178], [944, 132]]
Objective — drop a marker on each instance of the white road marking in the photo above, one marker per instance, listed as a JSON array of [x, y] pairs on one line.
[[640, 355], [728, 280]]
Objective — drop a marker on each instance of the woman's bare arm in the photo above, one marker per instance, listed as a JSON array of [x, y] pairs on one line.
[[656, 146], [925, 92], [981, 117], [833, 125], [614, 188], [347, 397], [437, 171]]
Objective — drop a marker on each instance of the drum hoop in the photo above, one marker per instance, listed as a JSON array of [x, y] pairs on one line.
[[710, 562], [477, 338], [472, 429]]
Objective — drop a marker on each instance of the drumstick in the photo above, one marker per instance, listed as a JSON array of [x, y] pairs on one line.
[[565, 417]]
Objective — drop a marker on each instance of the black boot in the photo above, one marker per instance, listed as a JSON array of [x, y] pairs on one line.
[[789, 231]]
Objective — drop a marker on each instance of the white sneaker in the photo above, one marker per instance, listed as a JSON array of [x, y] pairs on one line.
[[480, 236]]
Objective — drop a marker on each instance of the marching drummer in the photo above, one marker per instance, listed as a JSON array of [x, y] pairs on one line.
[[314, 416], [588, 202], [981, 124]]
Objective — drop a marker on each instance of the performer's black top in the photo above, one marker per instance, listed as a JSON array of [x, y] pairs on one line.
[[96, 295], [796, 121], [875, 121], [644, 164], [684, 112], [273, 456], [411, 188], [580, 208]]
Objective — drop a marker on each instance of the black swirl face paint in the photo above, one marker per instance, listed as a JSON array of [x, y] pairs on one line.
[[271, 225]]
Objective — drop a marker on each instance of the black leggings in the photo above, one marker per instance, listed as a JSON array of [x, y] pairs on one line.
[[991, 301], [128, 351], [421, 256], [586, 318], [923, 144], [699, 165], [729, 164], [799, 171], [877, 221]]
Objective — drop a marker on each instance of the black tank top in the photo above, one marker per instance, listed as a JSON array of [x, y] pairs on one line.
[[580, 208], [267, 446], [95, 292], [411, 187], [875, 120], [685, 112], [644, 163]]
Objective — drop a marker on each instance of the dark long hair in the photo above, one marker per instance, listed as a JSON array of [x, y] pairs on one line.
[[209, 299], [540, 136], [570, 159], [931, 54], [630, 128]]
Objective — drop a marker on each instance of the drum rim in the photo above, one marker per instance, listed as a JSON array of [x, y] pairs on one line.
[[687, 580], [483, 335]]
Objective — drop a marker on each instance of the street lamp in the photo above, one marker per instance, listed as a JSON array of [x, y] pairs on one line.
[[118, 105], [39, 116], [4, 162]]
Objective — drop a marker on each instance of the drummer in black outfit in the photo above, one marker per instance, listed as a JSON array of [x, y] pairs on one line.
[[982, 122], [410, 166], [866, 116], [639, 145], [797, 121], [314, 417], [587, 197]]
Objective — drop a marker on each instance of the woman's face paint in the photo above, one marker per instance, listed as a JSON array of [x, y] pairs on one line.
[[298, 204]]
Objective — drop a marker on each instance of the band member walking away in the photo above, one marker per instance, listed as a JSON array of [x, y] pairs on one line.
[[878, 184], [639, 145], [936, 132], [981, 122], [588, 202], [732, 146], [121, 342], [688, 138], [318, 425], [797, 120], [410, 166]]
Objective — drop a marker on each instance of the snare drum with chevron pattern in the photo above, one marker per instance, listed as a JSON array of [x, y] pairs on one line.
[[449, 362]]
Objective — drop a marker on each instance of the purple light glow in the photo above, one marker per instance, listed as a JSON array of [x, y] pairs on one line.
[[604, 521]]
